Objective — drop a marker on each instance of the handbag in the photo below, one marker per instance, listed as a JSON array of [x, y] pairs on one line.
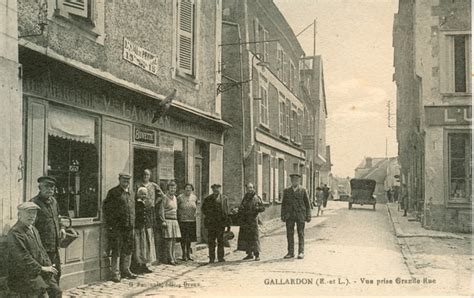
[[71, 234]]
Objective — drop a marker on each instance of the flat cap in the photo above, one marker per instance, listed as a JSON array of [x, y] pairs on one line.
[[28, 206], [47, 179], [216, 185], [125, 175], [295, 175]]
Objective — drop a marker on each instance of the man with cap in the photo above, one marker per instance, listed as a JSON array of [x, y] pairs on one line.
[[295, 209], [216, 218], [119, 215], [30, 271], [47, 220]]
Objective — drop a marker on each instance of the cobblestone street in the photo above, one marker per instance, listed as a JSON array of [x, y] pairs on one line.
[[346, 253]]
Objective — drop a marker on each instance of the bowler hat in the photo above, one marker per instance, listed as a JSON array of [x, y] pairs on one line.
[[28, 206], [125, 175], [216, 185], [295, 175], [47, 179]]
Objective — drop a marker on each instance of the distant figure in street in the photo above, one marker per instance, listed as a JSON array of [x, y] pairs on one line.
[[47, 220], [404, 202], [216, 218], [187, 207], [119, 215], [144, 243], [295, 209], [319, 200], [154, 195], [30, 271], [169, 221], [326, 195], [389, 195], [249, 209], [395, 193]]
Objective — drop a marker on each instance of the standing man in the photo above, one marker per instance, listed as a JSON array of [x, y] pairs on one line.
[[295, 209], [119, 215], [326, 195], [216, 211], [47, 220], [30, 271]]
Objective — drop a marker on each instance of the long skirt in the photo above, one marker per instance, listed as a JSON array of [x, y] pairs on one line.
[[172, 229], [144, 251], [248, 240]]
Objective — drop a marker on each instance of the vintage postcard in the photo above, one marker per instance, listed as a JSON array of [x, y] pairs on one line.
[[235, 148]]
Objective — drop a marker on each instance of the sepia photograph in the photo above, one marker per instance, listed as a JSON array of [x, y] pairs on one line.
[[197, 148]]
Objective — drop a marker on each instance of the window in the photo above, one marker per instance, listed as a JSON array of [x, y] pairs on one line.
[[294, 125], [265, 37], [280, 62], [73, 159], [256, 28], [263, 106], [456, 76], [186, 36], [81, 8], [291, 80], [299, 125], [172, 160], [282, 119], [266, 178], [287, 118], [460, 168]]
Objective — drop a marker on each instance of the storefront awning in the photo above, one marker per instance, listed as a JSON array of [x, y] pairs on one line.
[[72, 126]]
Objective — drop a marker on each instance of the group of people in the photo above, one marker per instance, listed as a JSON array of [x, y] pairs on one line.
[[142, 224]]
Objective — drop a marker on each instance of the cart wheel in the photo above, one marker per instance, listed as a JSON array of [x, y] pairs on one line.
[[350, 206], [374, 207]]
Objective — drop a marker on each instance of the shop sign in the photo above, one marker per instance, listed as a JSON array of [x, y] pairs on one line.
[[143, 135], [140, 57], [448, 115]]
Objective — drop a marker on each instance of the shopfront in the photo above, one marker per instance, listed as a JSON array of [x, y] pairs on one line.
[[84, 131]]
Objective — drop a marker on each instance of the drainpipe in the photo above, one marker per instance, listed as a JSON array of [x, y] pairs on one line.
[[242, 96]]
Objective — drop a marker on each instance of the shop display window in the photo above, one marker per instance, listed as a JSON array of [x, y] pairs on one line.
[[460, 168], [172, 163], [73, 159]]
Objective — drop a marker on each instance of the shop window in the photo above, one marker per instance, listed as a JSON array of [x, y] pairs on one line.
[[73, 159], [460, 168], [172, 160]]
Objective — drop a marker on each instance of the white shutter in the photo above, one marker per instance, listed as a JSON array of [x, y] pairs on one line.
[[76, 7], [186, 36]]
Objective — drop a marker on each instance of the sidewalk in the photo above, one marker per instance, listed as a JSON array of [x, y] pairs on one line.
[[442, 256], [163, 275]]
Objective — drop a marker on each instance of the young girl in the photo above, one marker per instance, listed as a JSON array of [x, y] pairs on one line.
[[169, 219]]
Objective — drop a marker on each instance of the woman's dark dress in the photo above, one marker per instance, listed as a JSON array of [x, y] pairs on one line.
[[249, 209]]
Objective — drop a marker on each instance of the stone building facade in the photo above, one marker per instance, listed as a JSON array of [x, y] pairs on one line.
[[432, 46], [91, 82]]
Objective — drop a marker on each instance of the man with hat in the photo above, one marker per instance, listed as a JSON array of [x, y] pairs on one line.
[[47, 220], [119, 215], [216, 218], [295, 209], [30, 271]]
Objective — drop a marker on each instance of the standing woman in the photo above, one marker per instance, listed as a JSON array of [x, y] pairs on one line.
[[187, 206], [144, 247], [154, 196], [249, 209], [169, 219]]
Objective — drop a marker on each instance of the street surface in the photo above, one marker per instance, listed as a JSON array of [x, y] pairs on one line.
[[347, 252]]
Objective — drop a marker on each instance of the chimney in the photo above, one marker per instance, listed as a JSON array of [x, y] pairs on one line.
[[368, 162]]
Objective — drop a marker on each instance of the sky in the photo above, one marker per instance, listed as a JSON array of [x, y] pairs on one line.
[[354, 38]]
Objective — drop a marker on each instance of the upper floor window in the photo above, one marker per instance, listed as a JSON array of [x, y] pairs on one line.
[[263, 106], [185, 54], [291, 79], [287, 118], [282, 119], [280, 62], [456, 77]]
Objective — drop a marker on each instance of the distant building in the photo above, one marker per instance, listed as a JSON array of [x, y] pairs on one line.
[[274, 97], [382, 170], [432, 59]]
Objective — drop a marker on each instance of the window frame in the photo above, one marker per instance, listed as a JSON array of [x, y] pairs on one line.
[[263, 105], [447, 152], [447, 57]]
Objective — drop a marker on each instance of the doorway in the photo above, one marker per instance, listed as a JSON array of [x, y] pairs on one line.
[[144, 159]]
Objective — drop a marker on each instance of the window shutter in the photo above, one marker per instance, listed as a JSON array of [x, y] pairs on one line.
[[76, 7], [186, 36]]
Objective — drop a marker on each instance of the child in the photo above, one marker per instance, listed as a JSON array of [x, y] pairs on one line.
[[319, 199]]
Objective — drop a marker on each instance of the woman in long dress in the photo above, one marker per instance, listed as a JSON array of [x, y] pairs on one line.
[[187, 206], [249, 209], [169, 219], [154, 197], [144, 248]]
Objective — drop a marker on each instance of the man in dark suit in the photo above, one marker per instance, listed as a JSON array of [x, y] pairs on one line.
[[295, 209], [119, 215], [216, 218], [30, 271], [47, 220]]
